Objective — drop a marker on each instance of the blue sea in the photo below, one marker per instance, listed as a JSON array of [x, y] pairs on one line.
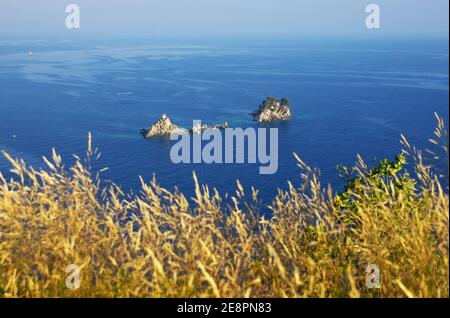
[[348, 97]]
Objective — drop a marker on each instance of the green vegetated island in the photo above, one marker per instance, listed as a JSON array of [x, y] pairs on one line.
[[271, 109]]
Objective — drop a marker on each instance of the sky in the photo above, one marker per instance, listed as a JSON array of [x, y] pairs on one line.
[[223, 17]]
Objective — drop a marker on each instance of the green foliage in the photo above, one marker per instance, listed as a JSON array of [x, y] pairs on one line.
[[273, 102], [285, 102], [269, 103], [377, 180]]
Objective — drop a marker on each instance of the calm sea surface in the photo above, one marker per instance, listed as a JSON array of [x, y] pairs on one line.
[[347, 97]]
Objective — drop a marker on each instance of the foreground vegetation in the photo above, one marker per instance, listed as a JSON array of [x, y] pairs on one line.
[[159, 244]]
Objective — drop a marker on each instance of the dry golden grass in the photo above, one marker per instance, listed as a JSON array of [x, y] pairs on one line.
[[160, 244]]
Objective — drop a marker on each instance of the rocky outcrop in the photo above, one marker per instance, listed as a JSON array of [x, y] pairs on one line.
[[165, 127], [272, 109], [198, 129]]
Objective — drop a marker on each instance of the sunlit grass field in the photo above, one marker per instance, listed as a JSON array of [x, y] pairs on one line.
[[318, 242]]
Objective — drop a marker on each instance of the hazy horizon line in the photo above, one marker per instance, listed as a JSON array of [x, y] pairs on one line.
[[225, 36]]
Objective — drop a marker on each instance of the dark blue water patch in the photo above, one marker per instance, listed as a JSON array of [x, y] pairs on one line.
[[346, 100]]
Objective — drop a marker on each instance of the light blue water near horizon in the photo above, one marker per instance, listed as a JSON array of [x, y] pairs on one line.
[[348, 97]]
